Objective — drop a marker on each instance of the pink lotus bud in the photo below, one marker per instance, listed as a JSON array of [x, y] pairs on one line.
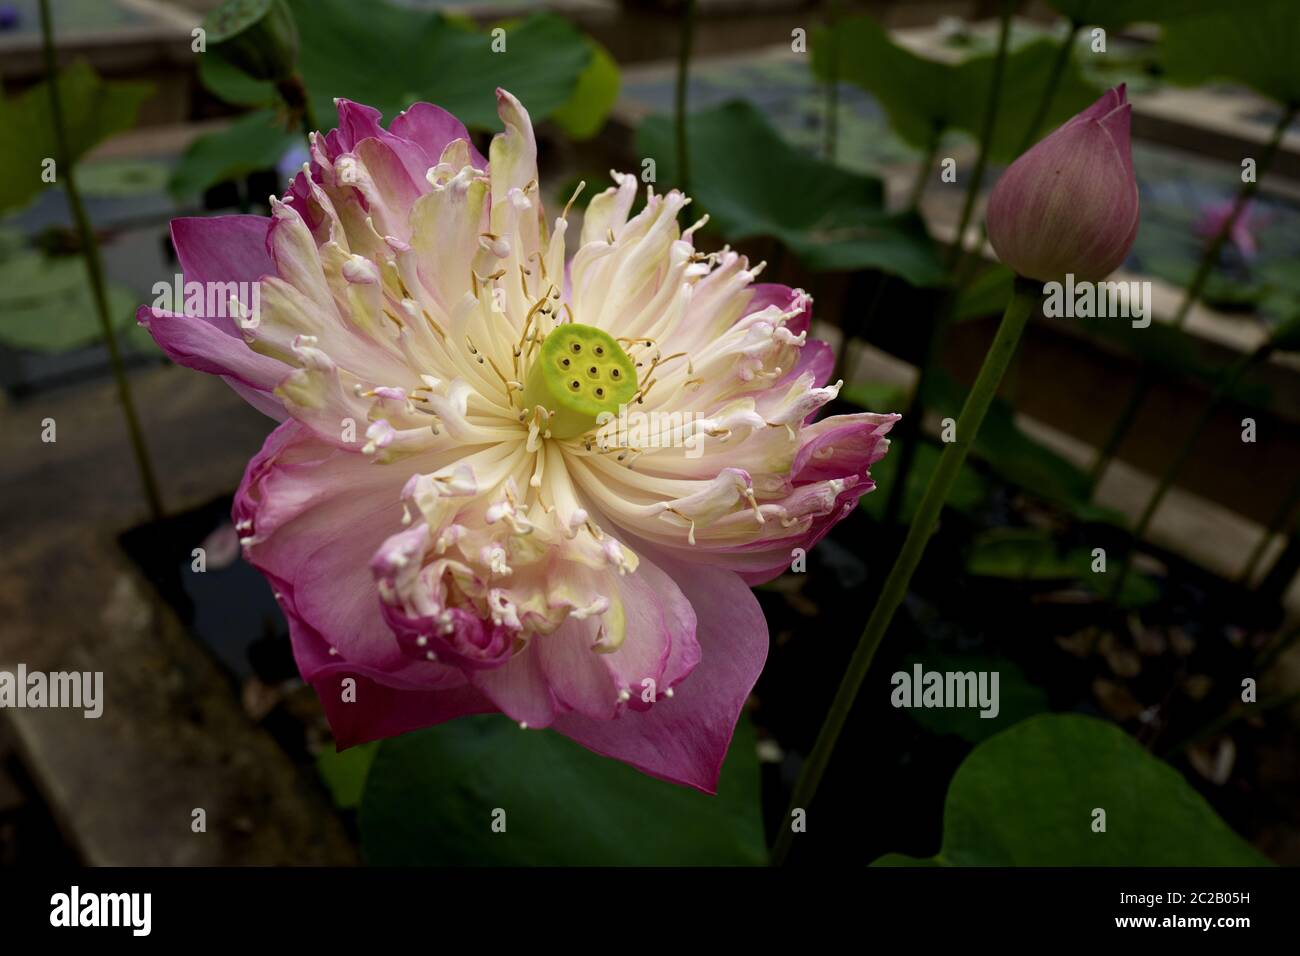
[[1070, 204]]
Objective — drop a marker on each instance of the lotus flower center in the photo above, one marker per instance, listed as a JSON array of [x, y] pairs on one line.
[[580, 374]]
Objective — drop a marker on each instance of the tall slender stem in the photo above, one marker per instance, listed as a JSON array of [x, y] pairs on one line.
[[913, 202], [911, 428], [1128, 414], [679, 102], [1209, 259], [1023, 302], [1274, 648], [1280, 522], [95, 268], [295, 96], [831, 127], [923, 172], [842, 367], [1277, 579], [1049, 89], [986, 137], [1175, 467], [1224, 721], [910, 431]]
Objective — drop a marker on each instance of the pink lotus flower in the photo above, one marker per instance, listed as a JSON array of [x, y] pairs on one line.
[[441, 520], [1242, 234], [1070, 204]]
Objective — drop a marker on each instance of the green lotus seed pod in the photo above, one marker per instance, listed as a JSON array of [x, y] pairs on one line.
[[579, 374]]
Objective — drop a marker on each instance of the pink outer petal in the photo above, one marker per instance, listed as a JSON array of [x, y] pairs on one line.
[[356, 122], [841, 446], [659, 651], [416, 137], [784, 298], [654, 604], [220, 249], [432, 128], [197, 343], [816, 357], [472, 643], [1118, 124], [223, 249], [375, 708], [845, 447], [519, 689], [683, 739], [301, 199], [1106, 104], [313, 516], [397, 183], [300, 518], [574, 672]]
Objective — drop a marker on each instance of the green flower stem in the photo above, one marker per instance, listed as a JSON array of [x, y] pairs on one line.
[[1023, 302], [1175, 467], [831, 129], [923, 173], [1225, 721], [1049, 90], [679, 99], [910, 430], [987, 127], [1209, 259], [95, 269], [1279, 524], [913, 206], [851, 330], [1273, 650], [1277, 579], [293, 92]]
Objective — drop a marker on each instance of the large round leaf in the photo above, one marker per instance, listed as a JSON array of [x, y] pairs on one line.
[[48, 307], [93, 110], [231, 84], [1115, 14], [583, 116], [1027, 797], [432, 797], [390, 57], [753, 183], [925, 97], [253, 142], [1254, 41], [1017, 696]]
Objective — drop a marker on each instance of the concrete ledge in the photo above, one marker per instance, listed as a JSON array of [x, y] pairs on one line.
[[173, 736]]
